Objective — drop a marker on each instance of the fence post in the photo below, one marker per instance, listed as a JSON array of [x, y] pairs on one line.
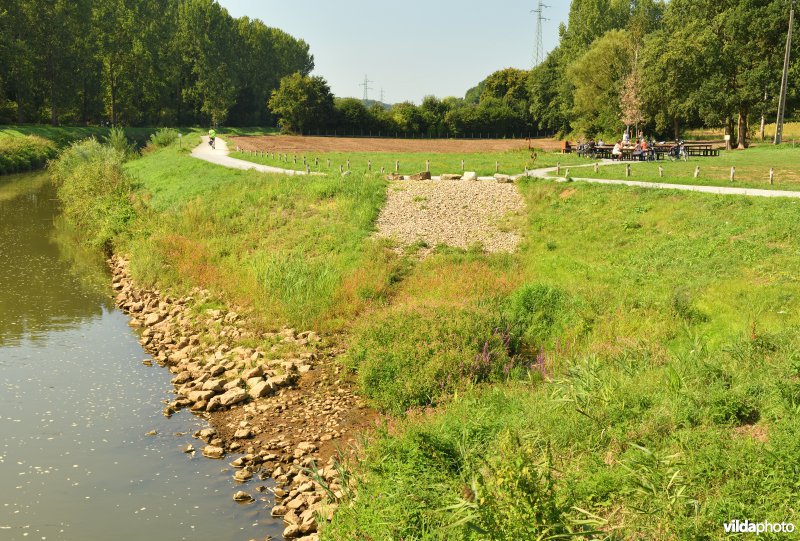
[[772, 175], [660, 172], [558, 168], [462, 166], [697, 171], [428, 166], [397, 166], [341, 168], [348, 165], [596, 168], [627, 169], [369, 165], [329, 163], [496, 166], [733, 174]]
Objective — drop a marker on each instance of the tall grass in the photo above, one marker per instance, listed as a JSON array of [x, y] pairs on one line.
[[24, 153], [95, 191]]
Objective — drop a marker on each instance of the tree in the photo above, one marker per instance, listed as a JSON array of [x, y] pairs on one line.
[[302, 103], [596, 77]]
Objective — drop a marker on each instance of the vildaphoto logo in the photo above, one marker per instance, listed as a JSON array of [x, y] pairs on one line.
[[745, 526]]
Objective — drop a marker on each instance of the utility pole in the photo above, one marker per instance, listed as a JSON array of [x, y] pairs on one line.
[[538, 52], [785, 79], [367, 88], [381, 95]]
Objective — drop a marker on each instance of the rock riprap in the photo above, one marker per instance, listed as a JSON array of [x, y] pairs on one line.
[[280, 404]]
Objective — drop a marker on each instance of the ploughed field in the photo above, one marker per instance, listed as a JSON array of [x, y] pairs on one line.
[[292, 143]]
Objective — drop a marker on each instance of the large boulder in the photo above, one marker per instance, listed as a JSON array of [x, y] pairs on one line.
[[451, 177], [470, 175], [234, 396], [425, 175]]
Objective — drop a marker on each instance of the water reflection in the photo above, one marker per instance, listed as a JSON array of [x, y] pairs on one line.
[[77, 404], [39, 288]]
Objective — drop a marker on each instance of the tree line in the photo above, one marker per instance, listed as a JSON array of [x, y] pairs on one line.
[[305, 104], [654, 66], [140, 62]]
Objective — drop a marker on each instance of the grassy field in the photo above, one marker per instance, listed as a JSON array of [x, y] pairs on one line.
[[791, 131], [512, 162], [655, 354], [631, 371], [294, 252], [752, 169]]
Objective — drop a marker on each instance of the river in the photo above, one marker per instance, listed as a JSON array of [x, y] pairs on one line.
[[77, 404]]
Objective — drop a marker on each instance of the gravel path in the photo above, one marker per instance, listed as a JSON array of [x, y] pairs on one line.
[[456, 213]]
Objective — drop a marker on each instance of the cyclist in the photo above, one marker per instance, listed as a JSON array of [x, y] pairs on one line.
[[212, 137]]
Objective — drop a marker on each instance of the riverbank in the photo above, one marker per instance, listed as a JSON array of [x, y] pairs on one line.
[[632, 335], [285, 406]]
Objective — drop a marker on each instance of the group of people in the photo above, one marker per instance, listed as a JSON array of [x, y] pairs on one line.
[[642, 150]]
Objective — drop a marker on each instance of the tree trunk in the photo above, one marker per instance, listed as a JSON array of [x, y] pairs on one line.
[[676, 128], [729, 134], [742, 130], [20, 111], [113, 83], [761, 132]]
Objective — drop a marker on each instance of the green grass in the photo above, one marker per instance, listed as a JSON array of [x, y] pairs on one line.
[[791, 130], [64, 136], [510, 162], [24, 153], [294, 250], [752, 169], [665, 326], [631, 370]]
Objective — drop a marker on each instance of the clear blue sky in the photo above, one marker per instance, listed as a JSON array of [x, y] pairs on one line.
[[411, 48]]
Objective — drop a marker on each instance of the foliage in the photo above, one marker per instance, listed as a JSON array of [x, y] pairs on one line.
[[150, 62], [95, 191], [117, 140], [164, 137], [24, 153], [302, 103]]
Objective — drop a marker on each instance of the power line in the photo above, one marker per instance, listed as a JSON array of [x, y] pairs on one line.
[[538, 51], [367, 88]]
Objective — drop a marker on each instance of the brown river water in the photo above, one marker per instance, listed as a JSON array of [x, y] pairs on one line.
[[76, 404]]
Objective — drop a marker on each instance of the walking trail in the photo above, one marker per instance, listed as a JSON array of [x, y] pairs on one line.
[[547, 173], [220, 156]]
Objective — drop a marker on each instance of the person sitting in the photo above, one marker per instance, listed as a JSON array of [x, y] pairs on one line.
[[645, 150], [616, 152], [626, 137], [566, 148], [637, 152], [600, 142]]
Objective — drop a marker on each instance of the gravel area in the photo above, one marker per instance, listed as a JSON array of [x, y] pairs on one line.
[[456, 213]]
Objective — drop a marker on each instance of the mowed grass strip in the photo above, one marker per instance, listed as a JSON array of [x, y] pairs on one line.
[[511, 162], [289, 248], [752, 169]]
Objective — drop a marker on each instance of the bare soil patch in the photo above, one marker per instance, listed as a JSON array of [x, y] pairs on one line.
[[456, 213], [291, 143]]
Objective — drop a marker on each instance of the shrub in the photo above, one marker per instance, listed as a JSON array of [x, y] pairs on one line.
[[164, 137], [118, 141], [94, 190], [24, 153]]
